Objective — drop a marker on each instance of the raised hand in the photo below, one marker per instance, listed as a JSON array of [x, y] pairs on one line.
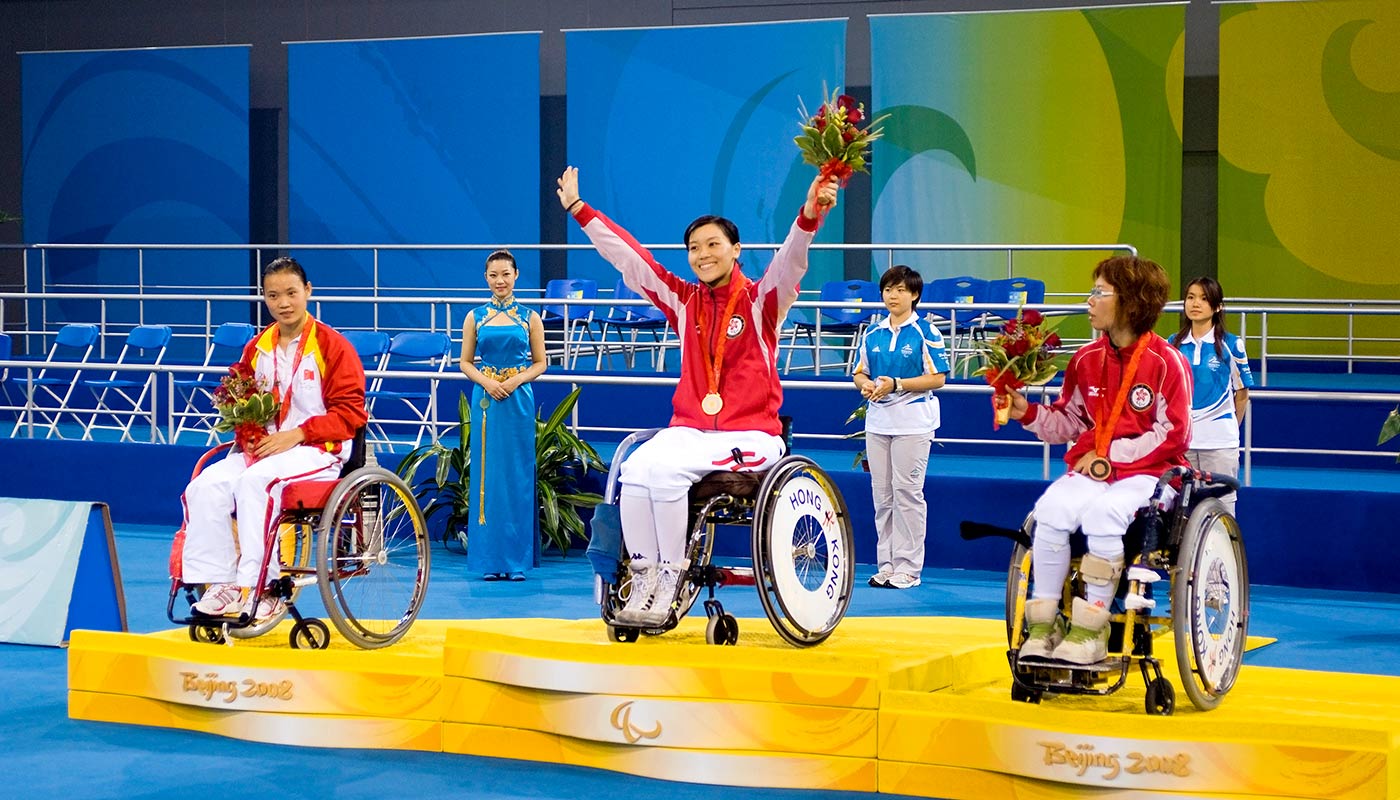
[[821, 197], [568, 188]]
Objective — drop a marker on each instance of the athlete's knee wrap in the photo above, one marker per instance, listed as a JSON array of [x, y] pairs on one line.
[[1100, 571]]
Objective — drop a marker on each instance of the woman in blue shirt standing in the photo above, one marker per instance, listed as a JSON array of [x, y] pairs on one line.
[[1221, 381], [901, 362]]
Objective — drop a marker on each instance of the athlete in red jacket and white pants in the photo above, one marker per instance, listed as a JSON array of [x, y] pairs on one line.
[[320, 385], [1125, 409], [728, 396]]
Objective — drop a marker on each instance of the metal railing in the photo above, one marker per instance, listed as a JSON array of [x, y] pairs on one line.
[[21, 372]]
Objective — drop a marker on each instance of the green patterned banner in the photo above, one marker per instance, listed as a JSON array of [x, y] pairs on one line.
[[1049, 127], [1310, 158]]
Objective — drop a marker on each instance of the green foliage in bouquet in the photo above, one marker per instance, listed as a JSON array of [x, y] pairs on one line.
[[1024, 353], [832, 139]]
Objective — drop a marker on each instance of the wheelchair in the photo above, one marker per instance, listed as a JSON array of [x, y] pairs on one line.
[[1191, 542], [802, 544], [361, 539]]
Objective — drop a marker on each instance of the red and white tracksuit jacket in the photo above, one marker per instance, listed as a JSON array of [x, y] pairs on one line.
[[749, 379], [1155, 425], [328, 384]]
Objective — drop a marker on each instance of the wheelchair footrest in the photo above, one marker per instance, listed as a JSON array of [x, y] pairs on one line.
[[736, 576]]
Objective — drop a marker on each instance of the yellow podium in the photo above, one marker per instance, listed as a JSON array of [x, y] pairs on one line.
[[915, 706]]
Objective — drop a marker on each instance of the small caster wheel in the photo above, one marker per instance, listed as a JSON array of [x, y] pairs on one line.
[[620, 634], [310, 634], [1161, 697], [206, 634], [1021, 694], [722, 629]]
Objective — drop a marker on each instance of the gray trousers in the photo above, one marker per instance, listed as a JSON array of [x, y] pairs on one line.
[[897, 482], [1225, 461]]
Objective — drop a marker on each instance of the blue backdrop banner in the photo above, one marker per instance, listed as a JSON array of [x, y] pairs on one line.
[[413, 141], [667, 124], [137, 146]]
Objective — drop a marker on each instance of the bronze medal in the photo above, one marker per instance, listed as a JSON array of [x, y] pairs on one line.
[[1100, 468], [712, 404]]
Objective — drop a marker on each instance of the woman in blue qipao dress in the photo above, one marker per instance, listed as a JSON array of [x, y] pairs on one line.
[[503, 540]]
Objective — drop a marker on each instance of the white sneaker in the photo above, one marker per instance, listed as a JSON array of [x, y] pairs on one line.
[[1044, 630], [641, 584], [901, 581], [1086, 642], [270, 606], [881, 579], [663, 597], [220, 600]]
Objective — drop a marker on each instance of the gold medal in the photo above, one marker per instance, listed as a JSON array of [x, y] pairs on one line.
[[1100, 468], [712, 404]]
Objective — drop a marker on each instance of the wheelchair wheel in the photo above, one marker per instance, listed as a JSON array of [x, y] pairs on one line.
[[803, 551], [372, 558], [1210, 604], [1018, 588], [310, 634], [722, 629], [206, 634], [1160, 698], [295, 542]]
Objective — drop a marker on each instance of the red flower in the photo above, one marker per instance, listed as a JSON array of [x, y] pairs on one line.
[[820, 123], [855, 116], [1032, 317], [1010, 327], [1017, 347], [1053, 340], [848, 134], [847, 102]]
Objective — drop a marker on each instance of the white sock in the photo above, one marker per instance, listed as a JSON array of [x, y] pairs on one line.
[[638, 524], [671, 531]]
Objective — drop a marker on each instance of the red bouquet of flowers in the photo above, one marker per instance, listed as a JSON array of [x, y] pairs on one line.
[[1023, 354], [833, 140], [243, 408]]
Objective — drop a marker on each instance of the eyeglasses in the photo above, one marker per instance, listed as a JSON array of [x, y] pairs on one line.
[[1098, 294]]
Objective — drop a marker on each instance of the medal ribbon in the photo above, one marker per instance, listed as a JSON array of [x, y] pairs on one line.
[[1103, 429], [284, 402], [736, 287]]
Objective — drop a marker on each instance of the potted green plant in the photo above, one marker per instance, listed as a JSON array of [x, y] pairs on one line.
[[1390, 428], [859, 415], [562, 460], [448, 488]]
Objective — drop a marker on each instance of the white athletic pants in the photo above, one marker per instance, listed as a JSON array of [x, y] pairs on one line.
[[254, 492], [657, 476], [897, 465], [1102, 509]]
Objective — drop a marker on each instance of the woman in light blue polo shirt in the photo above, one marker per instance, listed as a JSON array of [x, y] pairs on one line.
[[901, 362], [1221, 381]]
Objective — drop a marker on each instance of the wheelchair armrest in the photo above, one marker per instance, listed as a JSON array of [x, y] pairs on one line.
[[632, 440], [970, 531], [209, 456]]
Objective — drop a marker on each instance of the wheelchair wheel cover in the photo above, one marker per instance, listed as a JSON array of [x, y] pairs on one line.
[[373, 575], [1210, 604], [803, 551]]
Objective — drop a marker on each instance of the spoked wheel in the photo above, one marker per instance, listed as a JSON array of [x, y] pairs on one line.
[[294, 548], [1160, 698], [310, 634], [1018, 584], [1210, 604], [722, 629], [803, 551], [372, 558], [207, 634]]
